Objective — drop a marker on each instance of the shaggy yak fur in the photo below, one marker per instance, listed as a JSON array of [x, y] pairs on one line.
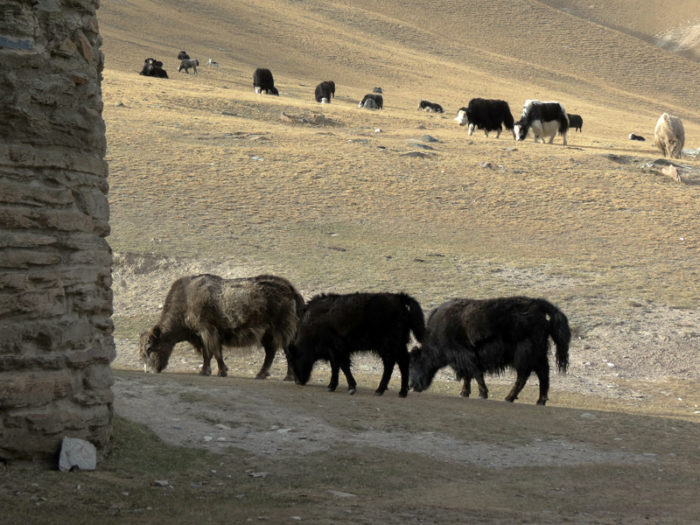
[[264, 81], [325, 91], [669, 136], [335, 326], [478, 336], [209, 311]]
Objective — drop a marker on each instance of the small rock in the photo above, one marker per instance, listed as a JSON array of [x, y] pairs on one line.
[[161, 483], [77, 454], [429, 138], [672, 172], [262, 475]]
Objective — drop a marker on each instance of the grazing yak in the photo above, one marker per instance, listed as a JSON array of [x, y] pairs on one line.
[[325, 91], [430, 107], [263, 81], [153, 68], [478, 336], [209, 311], [486, 114], [545, 119], [335, 326], [188, 63], [669, 136], [372, 101], [575, 121]]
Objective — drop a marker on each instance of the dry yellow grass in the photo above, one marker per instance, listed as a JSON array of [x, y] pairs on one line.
[[207, 176]]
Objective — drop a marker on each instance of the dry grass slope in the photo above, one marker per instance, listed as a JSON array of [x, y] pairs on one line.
[[207, 176]]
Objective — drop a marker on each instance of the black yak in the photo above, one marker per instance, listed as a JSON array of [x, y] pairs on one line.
[[153, 68], [264, 81], [335, 326], [325, 91], [477, 336], [575, 121], [486, 114], [430, 107], [209, 311]]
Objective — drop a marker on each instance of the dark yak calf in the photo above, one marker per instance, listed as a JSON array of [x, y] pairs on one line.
[[478, 336], [335, 326], [209, 311]]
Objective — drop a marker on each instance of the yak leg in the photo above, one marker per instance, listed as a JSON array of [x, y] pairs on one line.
[[386, 375], [403, 362], [542, 372], [483, 391], [352, 384], [212, 348], [290, 372], [518, 386], [270, 351], [334, 376], [466, 384]]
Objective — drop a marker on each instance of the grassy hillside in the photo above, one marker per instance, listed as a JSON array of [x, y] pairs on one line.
[[447, 50]]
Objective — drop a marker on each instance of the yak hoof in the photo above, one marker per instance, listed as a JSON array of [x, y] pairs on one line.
[[541, 402], [205, 372], [223, 373], [262, 375], [290, 378], [351, 391], [403, 394], [378, 392]]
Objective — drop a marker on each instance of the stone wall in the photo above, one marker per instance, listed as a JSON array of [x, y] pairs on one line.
[[55, 279]]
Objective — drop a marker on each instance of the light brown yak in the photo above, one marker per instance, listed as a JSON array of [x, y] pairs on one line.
[[669, 136], [210, 312]]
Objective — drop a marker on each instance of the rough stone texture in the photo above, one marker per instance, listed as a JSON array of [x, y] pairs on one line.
[[77, 453], [55, 264]]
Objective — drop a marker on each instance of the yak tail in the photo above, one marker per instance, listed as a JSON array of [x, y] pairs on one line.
[[561, 334], [415, 314]]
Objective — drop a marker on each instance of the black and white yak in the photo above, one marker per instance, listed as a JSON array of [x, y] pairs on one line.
[[187, 64], [153, 68], [430, 107], [210, 312], [372, 101], [263, 81], [325, 91], [545, 119], [486, 114], [474, 337], [575, 121], [335, 326]]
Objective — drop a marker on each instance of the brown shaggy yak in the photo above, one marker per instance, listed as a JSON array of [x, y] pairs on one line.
[[210, 312]]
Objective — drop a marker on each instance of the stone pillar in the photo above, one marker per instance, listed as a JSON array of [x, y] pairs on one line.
[[56, 339]]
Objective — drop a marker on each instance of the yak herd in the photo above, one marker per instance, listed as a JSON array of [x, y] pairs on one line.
[[473, 337], [541, 119]]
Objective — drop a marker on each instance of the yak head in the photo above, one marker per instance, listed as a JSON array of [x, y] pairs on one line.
[[421, 370], [301, 362], [520, 130], [154, 351]]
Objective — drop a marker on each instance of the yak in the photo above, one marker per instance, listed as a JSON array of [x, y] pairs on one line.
[[264, 81], [209, 312], [334, 326], [477, 336], [325, 91]]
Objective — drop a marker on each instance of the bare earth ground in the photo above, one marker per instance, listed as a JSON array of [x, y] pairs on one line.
[[205, 176]]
